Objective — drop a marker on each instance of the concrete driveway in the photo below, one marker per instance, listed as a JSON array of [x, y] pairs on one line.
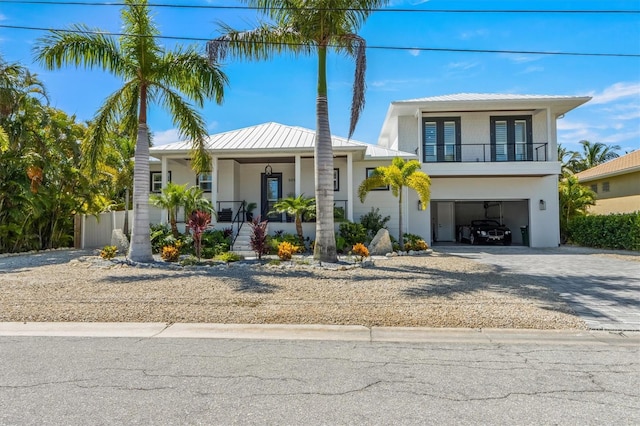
[[601, 286]]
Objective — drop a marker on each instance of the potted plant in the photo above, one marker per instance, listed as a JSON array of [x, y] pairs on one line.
[[249, 208]]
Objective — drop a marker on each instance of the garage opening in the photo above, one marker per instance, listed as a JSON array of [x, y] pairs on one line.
[[452, 221]]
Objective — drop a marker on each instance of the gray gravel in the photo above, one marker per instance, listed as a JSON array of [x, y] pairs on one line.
[[435, 290]]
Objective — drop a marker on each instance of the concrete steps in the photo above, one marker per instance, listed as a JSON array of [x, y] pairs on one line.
[[242, 244]]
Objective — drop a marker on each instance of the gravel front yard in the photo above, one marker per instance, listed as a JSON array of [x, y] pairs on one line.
[[434, 290]]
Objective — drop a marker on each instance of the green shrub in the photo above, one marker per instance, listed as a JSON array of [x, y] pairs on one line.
[[283, 237], [613, 231], [229, 257], [353, 233], [216, 241], [373, 222], [189, 261]]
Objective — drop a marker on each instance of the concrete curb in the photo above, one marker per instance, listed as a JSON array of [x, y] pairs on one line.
[[318, 332]]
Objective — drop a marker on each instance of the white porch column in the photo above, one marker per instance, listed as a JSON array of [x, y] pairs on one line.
[[214, 186], [164, 215], [549, 135], [298, 174], [350, 187]]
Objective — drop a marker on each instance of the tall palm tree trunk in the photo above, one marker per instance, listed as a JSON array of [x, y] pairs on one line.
[[140, 247], [325, 247]]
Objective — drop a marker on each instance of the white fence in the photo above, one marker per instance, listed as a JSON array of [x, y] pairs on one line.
[[95, 232]]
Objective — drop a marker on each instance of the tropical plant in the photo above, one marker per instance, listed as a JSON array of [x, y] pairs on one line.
[[151, 74], [41, 184], [574, 200], [373, 222], [360, 252], [170, 253], [352, 233], [297, 207], [568, 160], [399, 174], [286, 250], [198, 223], [305, 27], [258, 238], [108, 252], [172, 197], [594, 154]]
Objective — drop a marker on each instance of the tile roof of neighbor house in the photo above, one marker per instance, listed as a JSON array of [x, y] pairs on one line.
[[626, 164], [277, 137]]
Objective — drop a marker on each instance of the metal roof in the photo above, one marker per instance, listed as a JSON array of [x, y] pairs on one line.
[[483, 97], [275, 137]]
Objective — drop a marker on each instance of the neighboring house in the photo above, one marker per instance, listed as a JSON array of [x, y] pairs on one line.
[[616, 184], [489, 156]]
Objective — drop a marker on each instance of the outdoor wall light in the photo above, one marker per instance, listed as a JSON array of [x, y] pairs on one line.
[[419, 204], [542, 205], [268, 170]]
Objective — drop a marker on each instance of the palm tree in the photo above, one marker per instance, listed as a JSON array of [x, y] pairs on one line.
[[574, 200], [305, 27], [568, 160], [399, 174], [172, 197], [151, 75], [297, 207], [594, 154]]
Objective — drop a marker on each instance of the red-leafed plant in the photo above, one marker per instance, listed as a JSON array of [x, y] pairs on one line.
[[198, 223], [259, 237]]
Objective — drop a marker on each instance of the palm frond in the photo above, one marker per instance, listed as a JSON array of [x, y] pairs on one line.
[[193, 74], [190, 125], [84, 47], [109, 112], [258, 44]]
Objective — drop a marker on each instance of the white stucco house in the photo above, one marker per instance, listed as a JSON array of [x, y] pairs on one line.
[[488, 156]]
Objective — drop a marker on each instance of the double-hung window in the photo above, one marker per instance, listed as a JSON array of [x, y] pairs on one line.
[[441, 139], [511, 138], [204, 182], [156, 181]]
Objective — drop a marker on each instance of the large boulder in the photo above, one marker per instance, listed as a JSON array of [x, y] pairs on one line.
[[120, 240], [381, 244]]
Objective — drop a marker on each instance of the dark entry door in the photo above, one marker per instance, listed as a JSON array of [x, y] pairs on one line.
[[271, 194]]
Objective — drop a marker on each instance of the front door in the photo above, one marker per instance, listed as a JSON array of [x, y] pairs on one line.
[[444, 230], [271, 194]]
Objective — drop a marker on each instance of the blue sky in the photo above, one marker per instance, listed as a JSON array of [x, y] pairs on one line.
[[283, 89]]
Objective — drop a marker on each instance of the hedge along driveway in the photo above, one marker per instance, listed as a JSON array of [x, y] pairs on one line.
[[613, 231], [602, 287]]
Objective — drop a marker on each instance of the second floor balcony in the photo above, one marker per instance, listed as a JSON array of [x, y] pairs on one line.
[[485, 153]]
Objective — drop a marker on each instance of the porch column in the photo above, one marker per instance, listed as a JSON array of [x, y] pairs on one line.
[[549, 135], [164, 214], [214, 187], [350, 187], [297, 177]]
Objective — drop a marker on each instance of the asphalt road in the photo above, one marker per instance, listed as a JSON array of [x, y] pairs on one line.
[[88, 380]]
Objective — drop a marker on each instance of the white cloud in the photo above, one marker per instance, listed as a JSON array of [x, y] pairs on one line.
[[166, 136], [414, 52], [462, 65], [522, 59], [614, 92], [531, 69], [212, 126], [467, 35]]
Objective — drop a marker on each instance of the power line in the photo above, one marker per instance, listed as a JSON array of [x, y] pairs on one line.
[[402, 48], [394, 10]]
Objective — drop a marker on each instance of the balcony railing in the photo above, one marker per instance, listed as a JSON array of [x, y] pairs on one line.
[[485, 153]]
